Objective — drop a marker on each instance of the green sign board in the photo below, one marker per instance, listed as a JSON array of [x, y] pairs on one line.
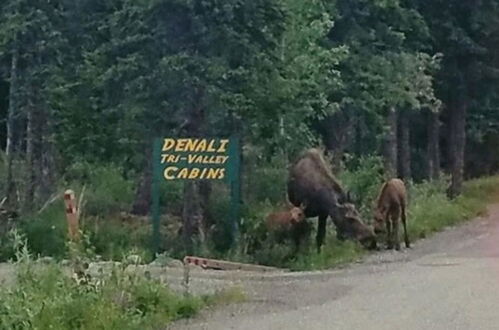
[[197, 159], [216, 159]]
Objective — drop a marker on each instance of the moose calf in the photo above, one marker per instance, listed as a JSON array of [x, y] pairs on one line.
[[390, 207], [288, 223]]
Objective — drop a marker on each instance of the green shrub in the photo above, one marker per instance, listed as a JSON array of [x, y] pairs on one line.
[[431, 210], [45, 297], [113, 239], [266, 181], [364, 182], [107, 191], [334, 253], [46, 232]]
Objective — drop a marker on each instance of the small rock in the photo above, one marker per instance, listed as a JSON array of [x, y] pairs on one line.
[[165, 261], [174, 263], [46, 260], [134, 259], [101, 268]]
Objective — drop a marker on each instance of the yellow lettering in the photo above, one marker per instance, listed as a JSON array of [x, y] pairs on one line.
[[221, 174], [168, 144], [191, 158], [183, 174], [167, 173], [163, 158], [191, 145], [181, 144], [212, 173], [203, 173], [201, 146], [223, 145], [210, 146], [194, 173]]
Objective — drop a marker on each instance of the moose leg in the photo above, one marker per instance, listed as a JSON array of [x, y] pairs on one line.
[[321, 232], [389, 241], [297, 237], [395, 225], [404, 222]]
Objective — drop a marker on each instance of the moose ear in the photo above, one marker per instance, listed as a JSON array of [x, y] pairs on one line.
[[303, 206]]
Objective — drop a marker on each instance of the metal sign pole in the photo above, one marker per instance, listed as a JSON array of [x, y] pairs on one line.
[[155, 195], [235, 186]]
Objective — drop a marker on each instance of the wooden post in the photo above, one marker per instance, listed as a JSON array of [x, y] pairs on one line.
[[72, 215]]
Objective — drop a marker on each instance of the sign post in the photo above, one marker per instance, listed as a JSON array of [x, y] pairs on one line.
[[214, 159], [235, 187], [156, 177]]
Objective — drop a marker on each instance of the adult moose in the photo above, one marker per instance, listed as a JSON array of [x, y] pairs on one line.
[[311, 183], [390, 207]]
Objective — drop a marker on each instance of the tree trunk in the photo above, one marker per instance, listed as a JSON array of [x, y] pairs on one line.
[[433, 147], [11, 126], [205, 193], [457, 146], [404, 147], [192, 215], [30, 154], [338, 136], [390, 145], [143, 198], [48, 154], [142, 201]]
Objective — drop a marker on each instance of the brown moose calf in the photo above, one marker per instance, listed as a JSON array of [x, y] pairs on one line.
[[289, 223], [390, 207]]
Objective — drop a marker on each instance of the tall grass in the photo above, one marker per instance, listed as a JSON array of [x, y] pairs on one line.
[[430, 210], [45, 297]]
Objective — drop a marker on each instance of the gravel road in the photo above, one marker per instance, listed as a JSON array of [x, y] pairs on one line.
[[449, 281]]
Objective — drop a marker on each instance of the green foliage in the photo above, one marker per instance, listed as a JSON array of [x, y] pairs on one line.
[[46, 232], [45, 297], [113, 239], [107, 191], [265, 180], [430, 209], [364, 179], [103, 78], [335, 254]]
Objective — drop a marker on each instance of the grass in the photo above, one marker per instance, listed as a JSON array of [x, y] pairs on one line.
[[45, 297], [49, 299], [335, 253], [431, 211]]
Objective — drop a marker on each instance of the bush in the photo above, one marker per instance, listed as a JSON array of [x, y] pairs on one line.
[[112, 239], [364, 182], [266, 181], [45, 297], [431, 210], [107, 191], [46, 232]]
